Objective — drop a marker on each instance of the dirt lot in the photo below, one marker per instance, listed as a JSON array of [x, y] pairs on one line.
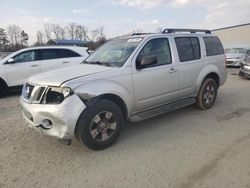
[[182, 149]]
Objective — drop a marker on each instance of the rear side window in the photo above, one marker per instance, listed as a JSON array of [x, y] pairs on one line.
[[64, 53], [188, 48], [213, 46], [48, 54]]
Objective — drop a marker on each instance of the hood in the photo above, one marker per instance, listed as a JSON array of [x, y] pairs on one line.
[[59, 76], [233, 56]]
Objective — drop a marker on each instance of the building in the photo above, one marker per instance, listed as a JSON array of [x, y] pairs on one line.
[[67, 42], [234, 36]]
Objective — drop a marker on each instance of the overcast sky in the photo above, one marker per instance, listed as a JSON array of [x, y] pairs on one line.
[[122, 16]]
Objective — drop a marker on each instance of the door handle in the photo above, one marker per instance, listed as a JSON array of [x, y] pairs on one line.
[[34, 65], [172, 70], [65, 62]]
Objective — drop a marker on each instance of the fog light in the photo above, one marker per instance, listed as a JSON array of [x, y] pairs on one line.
[[46, 124]]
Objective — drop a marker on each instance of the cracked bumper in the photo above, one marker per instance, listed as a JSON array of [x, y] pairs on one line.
[[63, 116]]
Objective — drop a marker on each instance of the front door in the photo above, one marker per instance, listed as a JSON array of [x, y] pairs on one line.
[[25, 65], [156, 84]]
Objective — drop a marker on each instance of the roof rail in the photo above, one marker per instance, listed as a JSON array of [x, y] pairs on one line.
[[135, 34], [170, 30]]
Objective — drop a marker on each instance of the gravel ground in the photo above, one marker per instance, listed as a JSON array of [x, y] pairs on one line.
[[181, 149]]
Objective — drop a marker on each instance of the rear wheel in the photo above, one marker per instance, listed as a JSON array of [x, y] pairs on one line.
[[2, 88], [207, 94], [100, 125]]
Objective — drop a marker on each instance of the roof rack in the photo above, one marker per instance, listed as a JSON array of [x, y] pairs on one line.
[[135, 34], [186, 30]]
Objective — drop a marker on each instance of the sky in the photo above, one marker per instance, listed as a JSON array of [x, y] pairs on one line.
[[123, 16]]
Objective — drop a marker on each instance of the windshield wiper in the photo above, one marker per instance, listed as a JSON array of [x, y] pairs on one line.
[[97, 63]]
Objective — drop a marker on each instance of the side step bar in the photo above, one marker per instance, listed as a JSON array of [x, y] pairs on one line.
[[161, 110]]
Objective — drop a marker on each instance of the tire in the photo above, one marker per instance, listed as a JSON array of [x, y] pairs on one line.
[[100, 124], [2, 88], [207, 94]]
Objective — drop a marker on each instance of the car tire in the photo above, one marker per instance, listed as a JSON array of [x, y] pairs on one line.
[[207, 94], [100, 124], [2, 88]]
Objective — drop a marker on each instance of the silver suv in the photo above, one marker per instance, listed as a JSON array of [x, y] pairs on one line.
[[132, 78]]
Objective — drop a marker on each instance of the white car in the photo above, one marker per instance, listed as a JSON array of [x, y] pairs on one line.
[[17, 67], [235, 56]]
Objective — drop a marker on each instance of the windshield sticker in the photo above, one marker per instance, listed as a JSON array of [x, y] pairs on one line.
[[134, 40]]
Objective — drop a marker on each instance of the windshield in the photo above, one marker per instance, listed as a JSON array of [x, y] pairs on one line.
[[114, 53], [235, 51]]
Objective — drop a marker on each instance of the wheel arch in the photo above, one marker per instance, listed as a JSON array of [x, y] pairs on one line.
[[4, 82], [107, 89], [210, 71]]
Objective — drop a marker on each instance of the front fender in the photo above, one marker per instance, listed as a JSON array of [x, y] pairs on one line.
[[101, 87], [204, 72]]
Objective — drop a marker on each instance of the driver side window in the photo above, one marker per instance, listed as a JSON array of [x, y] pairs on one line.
[[25, 57], [159, 48]]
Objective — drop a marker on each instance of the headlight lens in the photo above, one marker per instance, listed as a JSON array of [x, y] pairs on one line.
[[56, 95]]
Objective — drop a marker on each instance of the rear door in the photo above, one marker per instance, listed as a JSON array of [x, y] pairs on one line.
[[70, 57], [26, 65], [189, 64], [52, 59]]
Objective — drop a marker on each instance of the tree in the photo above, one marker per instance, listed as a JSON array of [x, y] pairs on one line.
[[39, 38], [4, 41], [71, 30], [101, 35], [81, 33], [58, 31], [24, 39], [47, 29], [14, 33]]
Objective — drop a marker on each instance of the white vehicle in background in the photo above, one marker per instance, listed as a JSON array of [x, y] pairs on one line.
[[235, 56], [18, 66]]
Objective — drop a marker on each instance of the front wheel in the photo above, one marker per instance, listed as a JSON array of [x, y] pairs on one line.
[[100, 125], [207, 94]]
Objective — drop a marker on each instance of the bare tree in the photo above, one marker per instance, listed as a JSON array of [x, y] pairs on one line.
[[48, 30], [39, 37], [62, 33], [14, 33], [94, 35], [71, 30], [81, 32], [56, 29], [101, 35]]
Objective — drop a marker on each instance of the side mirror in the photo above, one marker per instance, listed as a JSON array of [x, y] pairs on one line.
[[10, 61], [146, 61]]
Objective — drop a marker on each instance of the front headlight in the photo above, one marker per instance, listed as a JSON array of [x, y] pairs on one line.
[[56, 95]]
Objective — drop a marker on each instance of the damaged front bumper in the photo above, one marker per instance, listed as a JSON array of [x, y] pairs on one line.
[[57, 120]]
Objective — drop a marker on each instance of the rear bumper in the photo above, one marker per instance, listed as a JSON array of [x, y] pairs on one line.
[[63, 116]]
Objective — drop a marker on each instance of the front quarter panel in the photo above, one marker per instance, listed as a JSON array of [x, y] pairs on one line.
[[101, 87]]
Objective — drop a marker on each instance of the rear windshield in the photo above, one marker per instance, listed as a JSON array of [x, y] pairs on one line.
[[213, 46]]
